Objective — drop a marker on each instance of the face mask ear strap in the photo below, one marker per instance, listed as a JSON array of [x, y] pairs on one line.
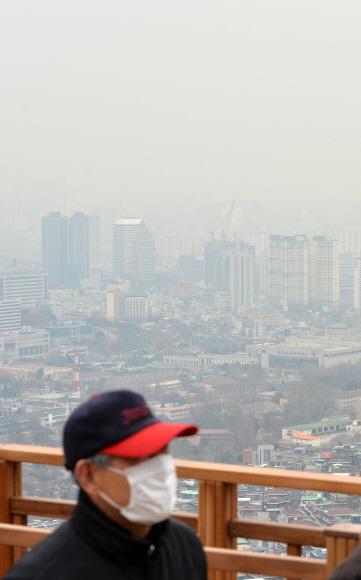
[[116, 470], [110, 501]]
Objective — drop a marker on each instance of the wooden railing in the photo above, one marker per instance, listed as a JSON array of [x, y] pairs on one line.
[[216, 522]]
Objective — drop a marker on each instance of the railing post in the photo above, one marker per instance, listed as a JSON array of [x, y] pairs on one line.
[[6, 487], [341, 540], [18, 519], [217, 506], [294, 550]]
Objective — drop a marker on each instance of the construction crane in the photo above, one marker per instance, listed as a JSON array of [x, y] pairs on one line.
[[225, 223]]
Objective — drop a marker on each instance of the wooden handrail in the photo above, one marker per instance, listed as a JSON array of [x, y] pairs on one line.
[[43, 507], [210, 471], [290, 566], [277, 532], [21, 536], [217, 522]]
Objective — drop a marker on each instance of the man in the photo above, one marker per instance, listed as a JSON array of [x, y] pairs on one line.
[[349, 569], [120, 529]]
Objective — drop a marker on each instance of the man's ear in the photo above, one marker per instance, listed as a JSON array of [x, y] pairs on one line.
[[87, 476]]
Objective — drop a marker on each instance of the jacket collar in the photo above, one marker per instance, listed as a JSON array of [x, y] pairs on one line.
[[106, 536]]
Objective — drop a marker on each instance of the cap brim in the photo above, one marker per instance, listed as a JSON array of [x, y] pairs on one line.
[[150, 440]]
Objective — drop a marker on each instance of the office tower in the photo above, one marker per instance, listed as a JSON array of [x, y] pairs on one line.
[[29, 285], [242, 277], [93, 240], [55, 248], [304, 270], [133, 251], [346, 274], [78, 249], [10, 315], [325, 289], [217, 264], [357, 284]]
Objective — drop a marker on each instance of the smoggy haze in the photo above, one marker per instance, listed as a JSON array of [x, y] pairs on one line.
[[178, 103]]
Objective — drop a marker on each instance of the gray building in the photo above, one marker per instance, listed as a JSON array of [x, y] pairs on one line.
[[54, 234], [93, 221], [78, 249]]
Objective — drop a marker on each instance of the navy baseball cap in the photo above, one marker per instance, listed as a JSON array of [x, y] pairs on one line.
[[117, 423]]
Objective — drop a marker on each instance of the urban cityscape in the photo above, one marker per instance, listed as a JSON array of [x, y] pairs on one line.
[[180, 217], [254, 336]]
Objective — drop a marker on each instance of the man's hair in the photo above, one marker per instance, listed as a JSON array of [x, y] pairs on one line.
[[101, 459]]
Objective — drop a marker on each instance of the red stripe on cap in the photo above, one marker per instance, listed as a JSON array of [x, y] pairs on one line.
[[150, 440]]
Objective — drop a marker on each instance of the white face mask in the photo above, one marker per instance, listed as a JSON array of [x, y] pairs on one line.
[[153, 485]]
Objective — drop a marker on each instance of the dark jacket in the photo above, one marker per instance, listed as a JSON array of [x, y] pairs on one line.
[[90, 546], [349, 569]]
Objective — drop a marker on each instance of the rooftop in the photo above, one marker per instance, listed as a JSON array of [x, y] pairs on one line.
[[320, 424], [129, 222], [304, 437]]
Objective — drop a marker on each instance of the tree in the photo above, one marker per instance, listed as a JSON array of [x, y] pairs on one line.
[[40, 373]]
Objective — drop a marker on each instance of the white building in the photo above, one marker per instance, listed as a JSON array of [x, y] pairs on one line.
[[124, 305], [133, 251], [29, 285], [325, 276], [265, 453], [293, 355], [208, 361], [10, 315]]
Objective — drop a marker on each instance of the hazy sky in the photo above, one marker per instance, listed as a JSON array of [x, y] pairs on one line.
[[180, 102]]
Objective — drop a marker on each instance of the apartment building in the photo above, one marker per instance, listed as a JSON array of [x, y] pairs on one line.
[[304, 270], [242, 278]]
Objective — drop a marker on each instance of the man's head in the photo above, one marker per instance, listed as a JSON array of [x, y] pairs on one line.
[[117, 423], [118, 451]]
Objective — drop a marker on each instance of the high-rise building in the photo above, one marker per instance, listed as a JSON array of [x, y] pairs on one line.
[[29, 285], [133, 251], [93, 221], [217, 263], [125, 305], [242, 277], [325, 276], [78, 249], [304, 270], [357, 284], [55, 248], [347, 265], [10, 315]]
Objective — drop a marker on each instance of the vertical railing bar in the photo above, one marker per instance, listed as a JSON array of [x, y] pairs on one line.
[[211, 519], [6, 487], [16, 518], [293, 550]]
